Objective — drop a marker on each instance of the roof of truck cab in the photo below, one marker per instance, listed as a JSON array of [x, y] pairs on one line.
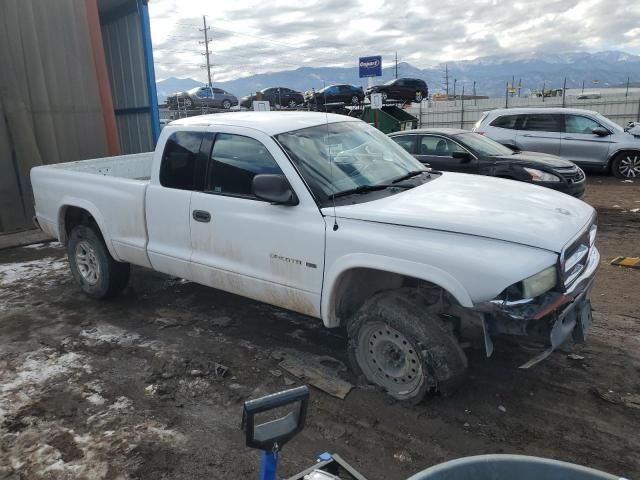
[[271, 123]]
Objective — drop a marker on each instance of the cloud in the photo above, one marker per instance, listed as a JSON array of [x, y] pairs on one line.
[[249, 37]]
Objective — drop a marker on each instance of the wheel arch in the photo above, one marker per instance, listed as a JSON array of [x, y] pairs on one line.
[[359, 276], [74, 212], [613, 155]]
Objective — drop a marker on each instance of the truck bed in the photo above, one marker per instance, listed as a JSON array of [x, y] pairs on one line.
[[111, 189], [135, 167]]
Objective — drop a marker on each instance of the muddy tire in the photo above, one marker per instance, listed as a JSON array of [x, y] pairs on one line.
[[394, 342], [92, 266]]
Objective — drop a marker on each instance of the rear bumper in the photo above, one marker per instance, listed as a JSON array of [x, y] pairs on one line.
[[547, 321]]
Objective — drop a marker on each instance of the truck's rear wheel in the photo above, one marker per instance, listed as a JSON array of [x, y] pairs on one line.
[[92, 266], [395, 343]]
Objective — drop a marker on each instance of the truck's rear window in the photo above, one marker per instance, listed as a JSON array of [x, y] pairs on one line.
[[178, 167]]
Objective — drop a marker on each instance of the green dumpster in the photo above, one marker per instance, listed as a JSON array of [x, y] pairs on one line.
[[390, 119]]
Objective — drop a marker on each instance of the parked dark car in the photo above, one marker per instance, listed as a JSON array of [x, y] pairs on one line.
[[455, 150], [283, 96], [349, 94], [401, 89], [202, 97]]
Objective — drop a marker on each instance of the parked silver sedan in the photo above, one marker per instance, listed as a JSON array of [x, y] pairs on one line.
[[581, 136], [202, 97]]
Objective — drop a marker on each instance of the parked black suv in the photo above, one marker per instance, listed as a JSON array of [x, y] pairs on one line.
[[283, 96], [401, 89]]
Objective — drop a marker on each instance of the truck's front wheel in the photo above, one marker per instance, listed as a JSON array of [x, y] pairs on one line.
[[395, 343], [92, 266]]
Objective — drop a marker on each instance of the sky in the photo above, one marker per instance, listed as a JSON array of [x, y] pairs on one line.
[[250, 37]]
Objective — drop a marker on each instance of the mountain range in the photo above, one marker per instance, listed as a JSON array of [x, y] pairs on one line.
[[491, 74]]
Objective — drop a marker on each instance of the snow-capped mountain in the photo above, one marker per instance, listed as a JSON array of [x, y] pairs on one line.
[[491, 73]]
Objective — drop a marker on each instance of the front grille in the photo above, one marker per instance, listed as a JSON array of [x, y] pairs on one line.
[[571, 174], [575, 256]]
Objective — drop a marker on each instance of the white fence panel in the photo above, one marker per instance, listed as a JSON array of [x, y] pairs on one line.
[[458, 114]]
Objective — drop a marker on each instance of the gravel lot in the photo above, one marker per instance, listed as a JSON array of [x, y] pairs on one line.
[[135, 387]]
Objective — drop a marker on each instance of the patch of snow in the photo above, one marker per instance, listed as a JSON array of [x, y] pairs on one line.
[[96, 399], [110, 334], [22, 385], [26, 271], [40, 246]]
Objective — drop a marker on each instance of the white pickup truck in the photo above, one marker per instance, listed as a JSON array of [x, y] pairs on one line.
[[326, 216]]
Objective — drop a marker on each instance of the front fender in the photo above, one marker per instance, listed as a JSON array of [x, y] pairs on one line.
[[409, 268]]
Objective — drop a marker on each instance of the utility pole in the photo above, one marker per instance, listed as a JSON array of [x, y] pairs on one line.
[[455, 81], [462, 109], [582, 86], [506, 95], [564, 92], [446, 80], [544, 84], [396, 64], [519, 87], [627, 92], [206, 47], [475, 100]]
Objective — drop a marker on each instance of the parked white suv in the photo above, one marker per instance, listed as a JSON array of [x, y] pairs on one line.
[[326, 216], [581, 136]]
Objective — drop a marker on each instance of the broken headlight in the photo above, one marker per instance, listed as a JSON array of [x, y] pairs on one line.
[[532, 287]]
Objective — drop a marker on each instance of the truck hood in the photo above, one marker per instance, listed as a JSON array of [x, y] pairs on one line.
[[484, 206]]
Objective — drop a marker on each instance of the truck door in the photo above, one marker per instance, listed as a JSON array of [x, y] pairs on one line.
[[241, 244], [168, 200]]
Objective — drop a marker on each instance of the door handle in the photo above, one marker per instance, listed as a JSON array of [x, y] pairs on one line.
[[201, 216]]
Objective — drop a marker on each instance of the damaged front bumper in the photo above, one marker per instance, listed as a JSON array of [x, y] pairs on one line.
[[549, 320]]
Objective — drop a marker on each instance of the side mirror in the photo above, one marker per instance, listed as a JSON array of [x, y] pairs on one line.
[[273, 188], [463, 156], [600, 131]]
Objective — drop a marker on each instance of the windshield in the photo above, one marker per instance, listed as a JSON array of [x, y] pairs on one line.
[[338, 157], [483, 145], [608, 123]]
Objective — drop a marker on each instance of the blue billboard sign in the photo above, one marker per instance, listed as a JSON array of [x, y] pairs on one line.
[[370, 66]]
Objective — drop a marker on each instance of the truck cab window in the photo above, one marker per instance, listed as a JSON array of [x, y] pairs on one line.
[[178, 167], [234, 161]]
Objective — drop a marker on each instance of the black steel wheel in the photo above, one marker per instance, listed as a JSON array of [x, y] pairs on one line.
[[394, 342]]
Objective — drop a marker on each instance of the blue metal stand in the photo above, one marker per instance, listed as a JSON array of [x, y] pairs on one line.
[[268, 466]]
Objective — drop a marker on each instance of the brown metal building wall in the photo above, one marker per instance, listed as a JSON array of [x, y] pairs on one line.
[[50, 107]]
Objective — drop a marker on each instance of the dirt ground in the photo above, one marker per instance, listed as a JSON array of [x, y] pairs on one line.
[[134, 387]]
